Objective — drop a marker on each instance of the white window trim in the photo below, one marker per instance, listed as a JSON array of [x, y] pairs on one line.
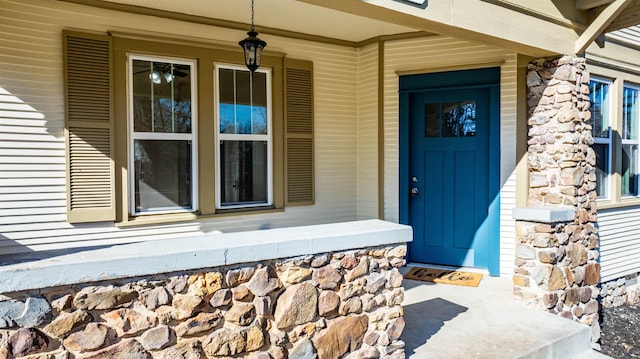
[[132, 135], [249, 137], [636, 142], [607, 141]]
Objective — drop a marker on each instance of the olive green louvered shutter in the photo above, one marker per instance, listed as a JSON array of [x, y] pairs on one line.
[[299, 132], [90, 177]]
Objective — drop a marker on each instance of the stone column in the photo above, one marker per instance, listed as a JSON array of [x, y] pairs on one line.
[[556, 265]]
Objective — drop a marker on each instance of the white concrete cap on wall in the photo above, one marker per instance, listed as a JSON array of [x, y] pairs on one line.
[[165, 256]]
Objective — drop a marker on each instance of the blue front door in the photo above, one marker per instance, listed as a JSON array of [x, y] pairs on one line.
[[452, 176]]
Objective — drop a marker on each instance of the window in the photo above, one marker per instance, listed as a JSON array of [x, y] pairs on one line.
[[243, 136], [458, 119], [180, 130], [629, 173], [162, 147], [601, 131], [615, 113]]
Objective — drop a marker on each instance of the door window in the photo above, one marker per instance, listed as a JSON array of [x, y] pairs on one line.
[[450, 119]]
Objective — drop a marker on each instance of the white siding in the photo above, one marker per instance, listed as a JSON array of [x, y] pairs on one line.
[[619, 228], [32, 156], [619, 242], [368, 132], [439, 52], [630, 35]]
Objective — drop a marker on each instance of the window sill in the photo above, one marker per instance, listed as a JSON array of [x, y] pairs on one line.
[[625, 202], [149, 219], [246, 210], [206, 251], [184, 217]]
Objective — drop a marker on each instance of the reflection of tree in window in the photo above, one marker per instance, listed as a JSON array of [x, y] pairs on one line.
[[467, 118], [243, 119], [243, 102], [450, 119], [259, 124], [459, 119]]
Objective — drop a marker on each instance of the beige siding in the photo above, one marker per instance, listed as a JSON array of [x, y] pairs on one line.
[[619, 242], [368, 132], [445, 52], [508, 119], [32, 175]]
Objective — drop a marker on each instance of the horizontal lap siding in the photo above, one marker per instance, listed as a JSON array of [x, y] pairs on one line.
[[440, 51], [619, 242], [630, 35], [335, 122], [32, 179], [368, 132], [32, 152], [508, 119]]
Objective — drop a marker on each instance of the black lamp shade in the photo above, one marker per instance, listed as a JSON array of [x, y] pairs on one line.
[[252, 46]]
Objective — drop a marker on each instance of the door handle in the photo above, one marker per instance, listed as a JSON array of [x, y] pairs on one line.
[[414, 190]]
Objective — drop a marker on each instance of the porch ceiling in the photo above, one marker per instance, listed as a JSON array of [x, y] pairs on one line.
[[289, 15], [354, 21], [351, 22]]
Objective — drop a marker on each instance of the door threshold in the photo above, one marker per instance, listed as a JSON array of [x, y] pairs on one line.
[[484, 272]]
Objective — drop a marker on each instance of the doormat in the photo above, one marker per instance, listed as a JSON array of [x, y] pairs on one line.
[[443, 276]]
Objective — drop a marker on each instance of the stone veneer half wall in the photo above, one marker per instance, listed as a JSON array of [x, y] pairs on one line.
[[621, 291], [344, 303]]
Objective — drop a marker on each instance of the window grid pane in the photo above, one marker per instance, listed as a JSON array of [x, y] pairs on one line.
[[467, 118], [602, 169], [599, 93], [162, 172], [630, 143], [449, 119], [432, 120], [630, 114], [243, 172], [629, 180]]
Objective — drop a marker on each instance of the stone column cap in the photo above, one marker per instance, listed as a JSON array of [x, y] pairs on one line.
[[544, 214]]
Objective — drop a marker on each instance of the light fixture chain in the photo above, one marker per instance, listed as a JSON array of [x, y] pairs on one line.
[[252, 28]]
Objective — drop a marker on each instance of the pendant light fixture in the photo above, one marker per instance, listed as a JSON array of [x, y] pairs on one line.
[[252, 47]]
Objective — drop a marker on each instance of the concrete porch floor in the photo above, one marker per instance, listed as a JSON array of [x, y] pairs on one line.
[[450, 321]]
